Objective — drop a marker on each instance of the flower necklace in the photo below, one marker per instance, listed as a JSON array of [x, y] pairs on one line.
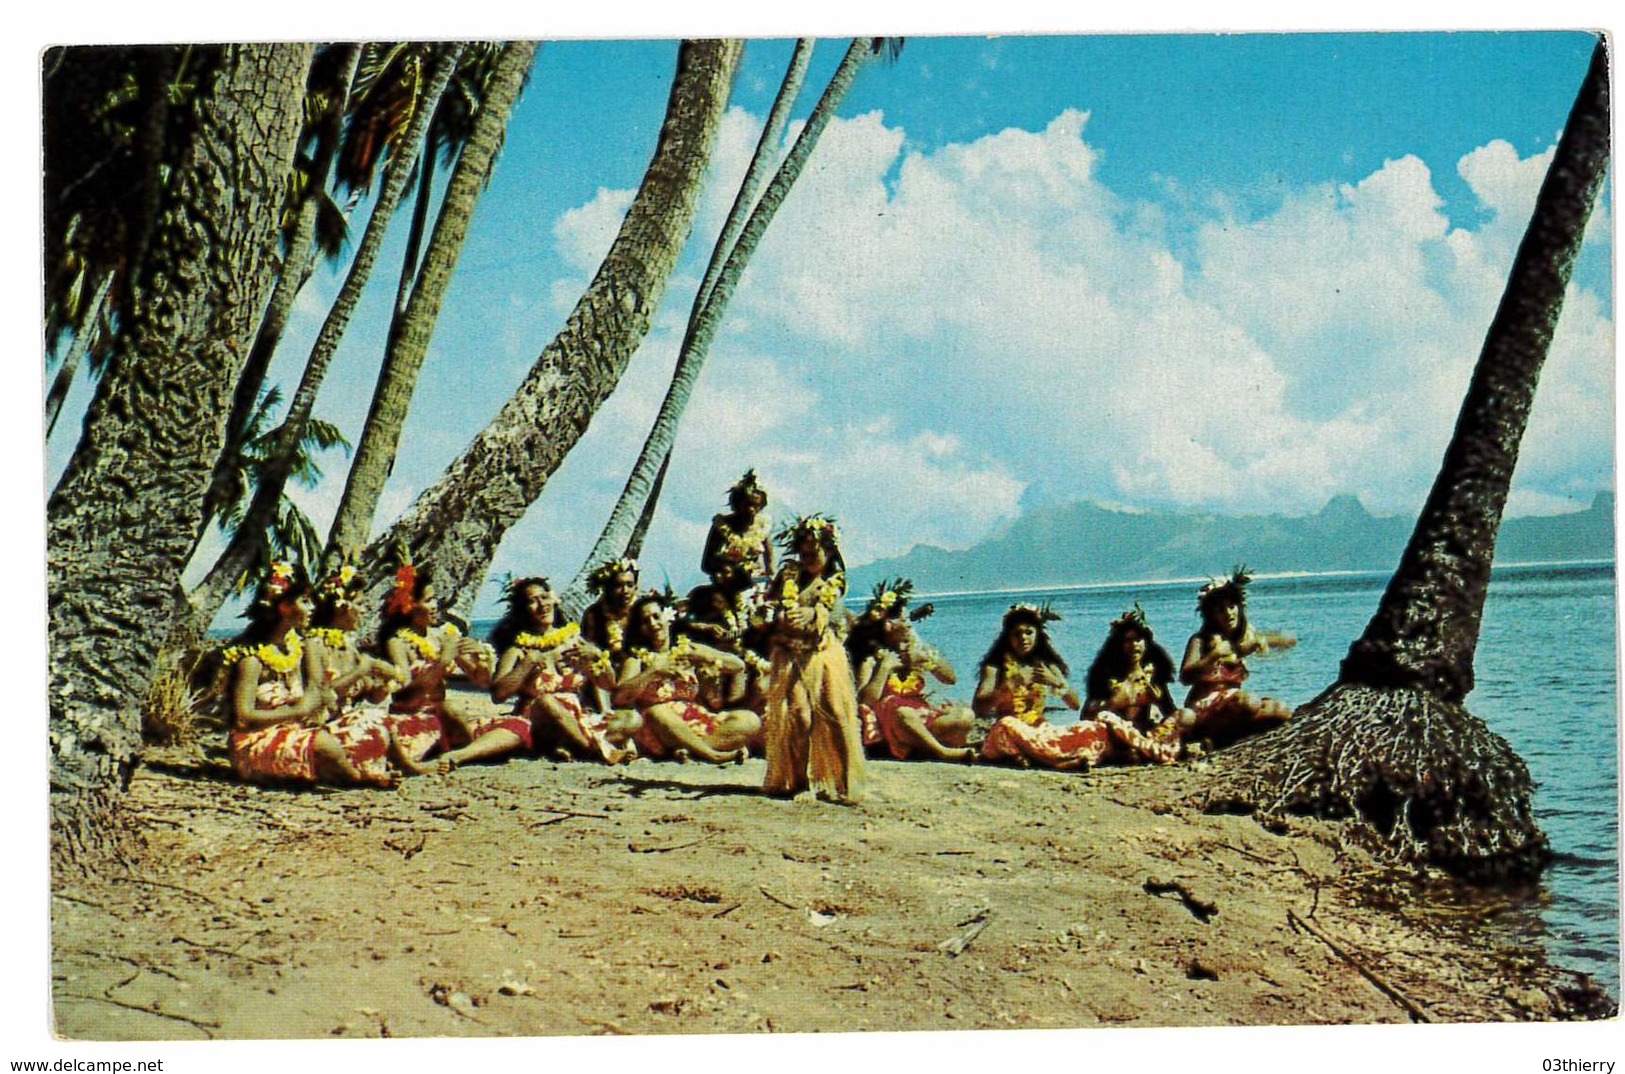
[[332, 637], [910, 686], [615, 635], [746, 545], [423, 645], [829, 596], [667, 659], [1026, 698], [556, 636], [269, 654]]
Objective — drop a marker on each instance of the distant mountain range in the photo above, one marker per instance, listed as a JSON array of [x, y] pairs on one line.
[[1081, 543]]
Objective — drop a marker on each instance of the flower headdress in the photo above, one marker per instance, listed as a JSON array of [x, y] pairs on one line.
[[511, 585], [1134, 617], [1233, 586], [344, 583], [821, 527], [281, 576], [747, 486], [890, 598], [403, 597], [1042, 613], [606, 572]]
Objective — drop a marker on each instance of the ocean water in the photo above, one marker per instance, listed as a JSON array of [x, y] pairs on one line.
[[1547, 680]]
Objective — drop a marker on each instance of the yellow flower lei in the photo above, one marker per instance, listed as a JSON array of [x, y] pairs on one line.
[[1026, 700], [678, 653], [615, 635], [331, 637], [790, 588], [912, 686], [739, 547], [423, 645], [268, 654], [556, 636]]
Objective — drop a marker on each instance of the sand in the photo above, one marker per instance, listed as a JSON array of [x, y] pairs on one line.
[[542, 898]]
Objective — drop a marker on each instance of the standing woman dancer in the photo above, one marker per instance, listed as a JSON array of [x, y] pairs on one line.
[[812, 732]]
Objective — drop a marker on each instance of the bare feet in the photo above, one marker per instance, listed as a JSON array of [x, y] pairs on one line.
[[446, 765], [680, 756]]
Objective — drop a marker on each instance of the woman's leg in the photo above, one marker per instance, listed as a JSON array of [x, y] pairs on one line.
[[491, 744], [333, 765], [735, 729], [678, 736], [917, 733]]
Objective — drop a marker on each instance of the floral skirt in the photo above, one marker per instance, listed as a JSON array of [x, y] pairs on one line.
[[1080, 744], [889, 727], [284, 751], [1158, 745], [1222, 718], [593, 725], [701, 721]]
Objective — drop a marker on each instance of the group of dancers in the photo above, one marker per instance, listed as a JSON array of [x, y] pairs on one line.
[[757, 661]]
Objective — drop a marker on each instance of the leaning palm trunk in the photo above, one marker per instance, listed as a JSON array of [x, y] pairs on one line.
[[246, 545], [127, 510], [84, 337], [375, 455], [1391, 743], [711, 303], [456, 525]]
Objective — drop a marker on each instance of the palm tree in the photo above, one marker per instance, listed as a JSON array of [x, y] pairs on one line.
[[90, 336], [456, 525], [127, 510], [1391, 743], [316, 226], [728, 260], [375, 455], [402, 149]]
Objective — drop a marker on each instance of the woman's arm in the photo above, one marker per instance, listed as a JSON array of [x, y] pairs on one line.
[[634, 681], [513, 674], [1199, 659], [987, 690], [247, 714], [727, 663], [872, 675]]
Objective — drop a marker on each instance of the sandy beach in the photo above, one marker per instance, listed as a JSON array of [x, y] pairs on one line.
[[538, 898]]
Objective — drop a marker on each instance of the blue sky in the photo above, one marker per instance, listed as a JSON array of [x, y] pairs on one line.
[[1225, 273]]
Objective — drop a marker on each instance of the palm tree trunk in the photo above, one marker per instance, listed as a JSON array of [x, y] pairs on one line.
[[87, 331], [297, 265], [455, 526], [1391, 743], [706, 316], [375, 455], [247, 543], [414, 238], [126, 512], [634, 543]]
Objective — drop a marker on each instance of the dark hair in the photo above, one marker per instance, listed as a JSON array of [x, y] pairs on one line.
[[264, 613], [1110, 663], [393, 622], [1210, 599], [516, 620], [635, 637], [1043, 651], [867, 638]]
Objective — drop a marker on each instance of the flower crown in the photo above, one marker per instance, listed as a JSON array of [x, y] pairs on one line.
[[342, 583], [1236, 585], [1134, 617], [821, 527], [748, 486], [1041, 612], [890, 598], [606, 572], [402, 597], [280, 577], [510, 585]]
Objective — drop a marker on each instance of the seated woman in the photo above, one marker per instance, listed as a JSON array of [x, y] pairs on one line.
[[1019, 673], [721, 615], [739, 538], [546, 664], [890, 664], [1129, 691], [1214, 669], [661, 679], [360, 682], [428, 652], [604, 622], [278, 700]]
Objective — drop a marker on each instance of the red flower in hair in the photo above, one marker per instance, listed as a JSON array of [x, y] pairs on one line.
[[401, 600]]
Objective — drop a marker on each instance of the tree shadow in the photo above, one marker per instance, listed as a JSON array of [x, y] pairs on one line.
[[638, 787]]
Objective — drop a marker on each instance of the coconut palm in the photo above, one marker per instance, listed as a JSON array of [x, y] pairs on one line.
[[1391, 743], [728, 260], [401, 149], [314, 225], [456, 525], [127, 510], [375, 455]]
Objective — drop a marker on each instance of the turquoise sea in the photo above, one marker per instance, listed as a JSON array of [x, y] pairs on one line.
[[1547, 680]]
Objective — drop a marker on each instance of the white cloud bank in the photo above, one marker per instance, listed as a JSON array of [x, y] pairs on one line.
[[923, 336]]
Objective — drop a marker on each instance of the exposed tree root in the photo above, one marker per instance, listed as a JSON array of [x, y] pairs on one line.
[[1429, 779]]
